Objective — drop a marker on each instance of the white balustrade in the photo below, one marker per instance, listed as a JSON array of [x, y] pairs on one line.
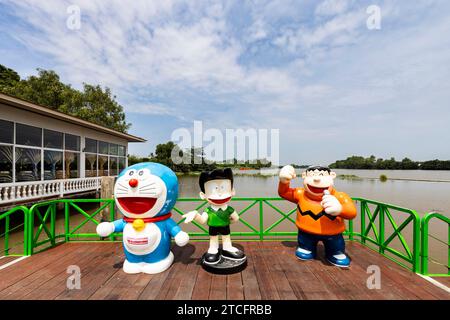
[[20, 191]]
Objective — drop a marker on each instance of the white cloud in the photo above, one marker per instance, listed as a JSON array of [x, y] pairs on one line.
[[337, 31], [146, 46]]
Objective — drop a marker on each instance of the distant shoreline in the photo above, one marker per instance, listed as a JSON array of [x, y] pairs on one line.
[[339, 176], [407, 179]]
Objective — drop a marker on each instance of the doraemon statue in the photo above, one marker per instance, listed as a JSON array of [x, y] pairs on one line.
[[145, 193]]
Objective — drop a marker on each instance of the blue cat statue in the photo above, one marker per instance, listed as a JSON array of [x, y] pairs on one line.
[[145, 193]]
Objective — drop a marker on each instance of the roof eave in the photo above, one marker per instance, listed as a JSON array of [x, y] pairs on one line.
[[31, 107]]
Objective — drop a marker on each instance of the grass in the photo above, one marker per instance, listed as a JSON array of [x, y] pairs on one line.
[[349, 177]]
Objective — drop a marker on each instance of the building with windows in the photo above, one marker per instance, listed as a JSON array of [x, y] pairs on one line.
[[46, 153]]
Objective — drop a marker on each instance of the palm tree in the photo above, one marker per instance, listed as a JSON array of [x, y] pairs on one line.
[[7, 154], [69, 157], [35, 157], [53, 157]]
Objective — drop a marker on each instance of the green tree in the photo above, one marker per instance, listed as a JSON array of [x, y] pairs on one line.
[[408, 164], [435, 165], [93, 104], [100, 106], [8, 77]]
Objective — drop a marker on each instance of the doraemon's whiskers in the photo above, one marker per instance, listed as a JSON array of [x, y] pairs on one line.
[[147, 188], [151, 183], [148, 193]]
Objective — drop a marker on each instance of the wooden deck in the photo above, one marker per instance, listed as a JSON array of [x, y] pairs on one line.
[[273, 272]]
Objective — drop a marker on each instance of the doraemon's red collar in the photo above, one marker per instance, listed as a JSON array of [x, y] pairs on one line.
[[152, 219]]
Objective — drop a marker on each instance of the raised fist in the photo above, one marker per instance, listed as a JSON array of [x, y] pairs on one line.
[[287, 173]]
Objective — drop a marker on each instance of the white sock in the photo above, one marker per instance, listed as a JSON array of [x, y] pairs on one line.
[[213, 244], [226, 243]]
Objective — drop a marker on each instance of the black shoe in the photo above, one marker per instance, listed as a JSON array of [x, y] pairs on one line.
[[211, 258], [234, 255]]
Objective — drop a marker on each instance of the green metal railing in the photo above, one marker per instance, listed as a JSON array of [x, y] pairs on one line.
[[382, 211], [45, 234], [41, 232], [6, 217], [44, 213], [258, 231], [424, 242]]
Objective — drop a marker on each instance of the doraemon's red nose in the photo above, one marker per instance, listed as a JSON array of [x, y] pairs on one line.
[[133, 183]]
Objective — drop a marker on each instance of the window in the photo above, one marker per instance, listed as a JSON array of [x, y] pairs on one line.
[[113, 149], [90, 165], [6, 131], [112, 166], [6, 161], [28, 135], [53, 165], [90, 145], [122, 151], [72, 142], [102, 147], [72, 165], [122, 164], [102, 165], [28, 164], [53, 139]]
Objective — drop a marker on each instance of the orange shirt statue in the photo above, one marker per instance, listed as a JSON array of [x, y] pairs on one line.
[[321, 211]]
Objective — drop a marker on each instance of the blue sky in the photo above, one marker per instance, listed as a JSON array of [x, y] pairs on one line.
[[310, 68]]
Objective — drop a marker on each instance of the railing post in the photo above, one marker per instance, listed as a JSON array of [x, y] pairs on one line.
[[30, 232], [381, 233], [25, 232], [424, 244], [416, 244], [66, 221], [53, 224], [112, 215], [6, 235], [363, 221], [261, 220], [350, 230], [61, 188]]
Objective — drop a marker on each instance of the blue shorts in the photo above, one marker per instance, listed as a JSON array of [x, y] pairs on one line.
[[333, 244]]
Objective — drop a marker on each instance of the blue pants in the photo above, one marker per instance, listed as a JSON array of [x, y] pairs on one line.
[[333, 244]]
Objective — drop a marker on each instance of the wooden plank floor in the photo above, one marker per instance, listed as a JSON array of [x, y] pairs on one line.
[[273, 272]]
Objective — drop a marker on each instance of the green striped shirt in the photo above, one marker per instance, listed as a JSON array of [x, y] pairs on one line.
[[219, 218]]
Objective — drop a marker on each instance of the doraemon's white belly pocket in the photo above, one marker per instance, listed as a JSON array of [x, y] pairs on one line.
[[141, 242]]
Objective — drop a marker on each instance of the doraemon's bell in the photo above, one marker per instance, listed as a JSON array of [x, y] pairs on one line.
[[138, 225]]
